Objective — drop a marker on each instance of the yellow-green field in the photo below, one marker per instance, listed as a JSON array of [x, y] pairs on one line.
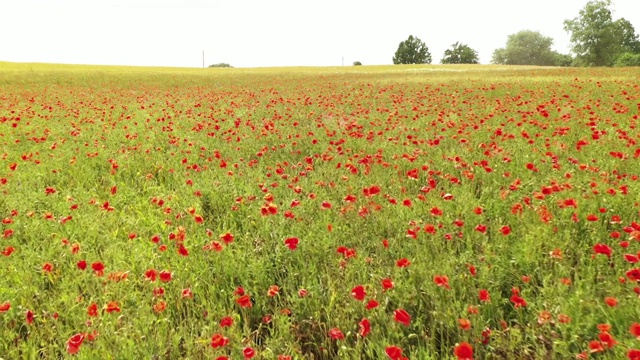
[[369, 212]]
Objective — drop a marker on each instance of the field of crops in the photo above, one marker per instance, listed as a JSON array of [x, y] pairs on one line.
[[420, 212]]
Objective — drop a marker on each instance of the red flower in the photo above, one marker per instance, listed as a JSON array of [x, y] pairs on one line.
[[112, 306], [402, 316], [47, 267], [82, 264], [273, 290], [387, 284], [602, 249], [634, 330], [358, 293], [611, 301], [442, 281], [74, 342], [151, 274], [633, 274], [160, 306], [29, 317], [336, 334], [226, 321], [372, 304], [227, 237], [402, 263], [4, 307], [248, 352], [92, 310], [217, 340], [365, 327], [518, 301], [484, 296], [187, 294], [463, 351], [98, 267], [292, 243], [165, 276], [244, 301], [633, 354], [465, 324], [394, 353]]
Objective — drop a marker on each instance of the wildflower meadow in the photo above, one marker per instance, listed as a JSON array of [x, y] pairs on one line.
[[392, 212]]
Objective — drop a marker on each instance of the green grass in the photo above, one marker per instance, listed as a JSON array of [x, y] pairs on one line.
[[164, 146]]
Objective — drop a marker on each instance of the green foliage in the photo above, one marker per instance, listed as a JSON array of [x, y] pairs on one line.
[[220, 65], [526, 48], [460, 54], [627, 59], [596, 39], [412, 51], [357, 63], [563, 60]]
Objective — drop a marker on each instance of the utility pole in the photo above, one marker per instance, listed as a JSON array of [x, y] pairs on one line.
[[203, 59], [343, 61]]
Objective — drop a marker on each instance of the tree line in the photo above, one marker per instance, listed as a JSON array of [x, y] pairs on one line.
[[596, 40]]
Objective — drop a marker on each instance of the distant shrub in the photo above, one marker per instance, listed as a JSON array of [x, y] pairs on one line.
[[627, 59], [357, 63], [220, 65]]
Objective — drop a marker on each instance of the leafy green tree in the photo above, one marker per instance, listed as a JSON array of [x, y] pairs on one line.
[[596, 39], [412, 51], [563, 60], [460, 54], [627, 59], [526, 48], [357, 63]]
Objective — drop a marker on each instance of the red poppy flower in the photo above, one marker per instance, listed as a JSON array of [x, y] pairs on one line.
[[394, 353], [47, 267], [634, 330], [292, 243], [165, 276], [463, 351], [371, 304], [244, 301], [484, 296], [336, 334], [227, 237], [611, 301], [98, 267], [602, 249], [633, 354], [151, 274], [273, 290], [217, 340], [518, 301], [442, 281], [365, 327], [74, 342], [387, 284], [358, 292], [465, 324], [112, 306], [92, 310], [402, 316], [160, 306], [248, 352], [226, 321], [402, 263]]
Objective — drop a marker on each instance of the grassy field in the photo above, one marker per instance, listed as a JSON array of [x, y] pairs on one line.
[[426, 212]]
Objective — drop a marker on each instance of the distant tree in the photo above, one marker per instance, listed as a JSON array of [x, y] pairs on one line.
[[220, 65], [596, 39], [357, 63], [627, 59], [563, 60], [526, 48], [460, 54], [412, 51]]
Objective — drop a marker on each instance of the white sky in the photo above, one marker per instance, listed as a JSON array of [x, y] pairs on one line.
[[256, 33]]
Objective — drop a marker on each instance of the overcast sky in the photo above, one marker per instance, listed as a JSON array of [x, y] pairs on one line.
[[256, 33]]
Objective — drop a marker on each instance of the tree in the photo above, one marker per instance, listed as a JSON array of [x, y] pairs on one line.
[[220, 65], [563, 60], [460, 54], [412, 51], [627, 59], [357, 63], [526, 48], [596, 39]]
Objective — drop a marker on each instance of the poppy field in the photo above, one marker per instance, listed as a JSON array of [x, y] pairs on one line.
[[405, 212]]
